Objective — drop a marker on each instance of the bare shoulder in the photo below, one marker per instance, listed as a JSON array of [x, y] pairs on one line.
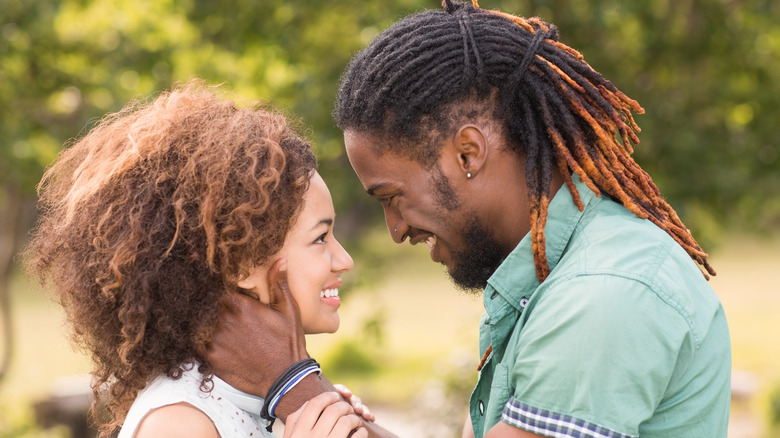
[[177, 420]]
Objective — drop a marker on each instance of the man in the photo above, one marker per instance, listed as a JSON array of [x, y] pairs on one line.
[[499, 147]]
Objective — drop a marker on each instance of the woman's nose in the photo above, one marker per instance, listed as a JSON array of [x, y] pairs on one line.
[[342, 261]]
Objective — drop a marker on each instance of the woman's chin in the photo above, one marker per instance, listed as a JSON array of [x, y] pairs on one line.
[[331, 327]]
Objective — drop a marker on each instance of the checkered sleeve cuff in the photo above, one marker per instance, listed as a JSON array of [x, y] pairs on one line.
[[553, 424]]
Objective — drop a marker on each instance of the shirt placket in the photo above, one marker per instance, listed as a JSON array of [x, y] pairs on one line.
[[496, 326]]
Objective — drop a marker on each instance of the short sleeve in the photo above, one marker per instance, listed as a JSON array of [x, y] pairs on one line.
[[595, 355]]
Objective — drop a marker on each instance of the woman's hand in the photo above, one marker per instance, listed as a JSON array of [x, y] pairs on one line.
[[355, 401], [325, 416]]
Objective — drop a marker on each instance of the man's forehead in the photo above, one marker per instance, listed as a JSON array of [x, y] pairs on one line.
[[364, 142]]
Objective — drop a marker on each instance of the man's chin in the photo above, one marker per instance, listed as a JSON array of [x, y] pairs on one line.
[[465, 283], [473, 263]]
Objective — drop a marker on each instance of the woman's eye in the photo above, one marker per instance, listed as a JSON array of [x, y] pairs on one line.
[[321, 239]]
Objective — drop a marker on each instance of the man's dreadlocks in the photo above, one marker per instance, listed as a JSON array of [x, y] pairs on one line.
[[555, 109]]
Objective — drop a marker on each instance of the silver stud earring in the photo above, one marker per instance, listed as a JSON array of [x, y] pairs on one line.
[[468, 175], [395, 230]]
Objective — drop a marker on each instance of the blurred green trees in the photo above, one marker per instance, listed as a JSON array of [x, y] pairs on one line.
[[706, 71]]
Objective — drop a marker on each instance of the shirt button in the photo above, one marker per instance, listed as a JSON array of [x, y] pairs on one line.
[[481, 408]]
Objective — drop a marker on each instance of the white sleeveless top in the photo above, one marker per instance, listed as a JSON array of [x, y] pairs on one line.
[[233, 412]]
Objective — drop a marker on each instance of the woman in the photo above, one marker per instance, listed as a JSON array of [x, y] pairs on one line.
[[159, 214]]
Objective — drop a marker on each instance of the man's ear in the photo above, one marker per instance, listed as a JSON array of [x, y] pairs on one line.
[[471, 145]]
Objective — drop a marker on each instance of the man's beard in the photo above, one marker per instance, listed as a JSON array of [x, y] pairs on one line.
[[481, 253], [477, 260]]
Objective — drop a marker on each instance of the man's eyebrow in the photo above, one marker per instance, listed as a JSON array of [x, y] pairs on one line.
[[374, 187]]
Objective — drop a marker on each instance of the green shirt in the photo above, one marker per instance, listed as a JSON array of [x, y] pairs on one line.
[[624, 338]]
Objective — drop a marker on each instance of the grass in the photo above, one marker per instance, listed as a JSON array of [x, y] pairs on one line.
[[420, 332]]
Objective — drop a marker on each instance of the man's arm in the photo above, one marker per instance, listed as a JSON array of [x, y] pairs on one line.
[[468, 429], [255, 343], [499, 430], [503, 430]]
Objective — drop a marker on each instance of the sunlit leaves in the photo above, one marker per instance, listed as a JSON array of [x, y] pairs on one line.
[[706, 71]]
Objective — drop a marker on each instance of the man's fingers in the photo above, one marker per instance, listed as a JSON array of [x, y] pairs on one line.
[[280, 297], [282, 301]]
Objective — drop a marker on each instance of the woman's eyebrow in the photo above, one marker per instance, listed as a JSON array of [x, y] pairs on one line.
[[326, 221]]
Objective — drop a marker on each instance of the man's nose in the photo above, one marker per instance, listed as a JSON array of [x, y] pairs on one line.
[[396, 225]]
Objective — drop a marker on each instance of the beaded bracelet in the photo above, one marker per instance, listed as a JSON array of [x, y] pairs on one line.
[[287, 381]]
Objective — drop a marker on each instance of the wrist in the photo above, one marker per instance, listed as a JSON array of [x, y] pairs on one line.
[[259, 381], [287, 382], [308, 388]]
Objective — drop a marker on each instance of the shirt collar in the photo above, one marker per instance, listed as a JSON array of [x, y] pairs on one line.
[[515, 278], [249, 403]]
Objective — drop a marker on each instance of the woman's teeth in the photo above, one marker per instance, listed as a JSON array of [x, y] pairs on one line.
[[328, 293]]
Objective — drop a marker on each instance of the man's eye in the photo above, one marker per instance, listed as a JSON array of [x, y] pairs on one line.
[[385, 200]]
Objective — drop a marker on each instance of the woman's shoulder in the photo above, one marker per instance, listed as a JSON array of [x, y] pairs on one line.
[[176, 420], [164, 395], [169, 398]]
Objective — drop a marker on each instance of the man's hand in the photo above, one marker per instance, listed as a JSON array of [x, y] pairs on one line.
[[255, 343]]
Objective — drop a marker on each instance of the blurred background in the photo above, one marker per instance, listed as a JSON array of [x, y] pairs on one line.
[[707, 73]]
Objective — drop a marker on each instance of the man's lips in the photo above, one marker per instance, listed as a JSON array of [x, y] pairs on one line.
[[431, 241]]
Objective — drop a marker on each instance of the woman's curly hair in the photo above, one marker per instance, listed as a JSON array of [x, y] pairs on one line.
[[152, 218]]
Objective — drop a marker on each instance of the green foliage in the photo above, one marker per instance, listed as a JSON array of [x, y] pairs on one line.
[[774, 407], [362, 355], [706, 71], [350, 357]]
